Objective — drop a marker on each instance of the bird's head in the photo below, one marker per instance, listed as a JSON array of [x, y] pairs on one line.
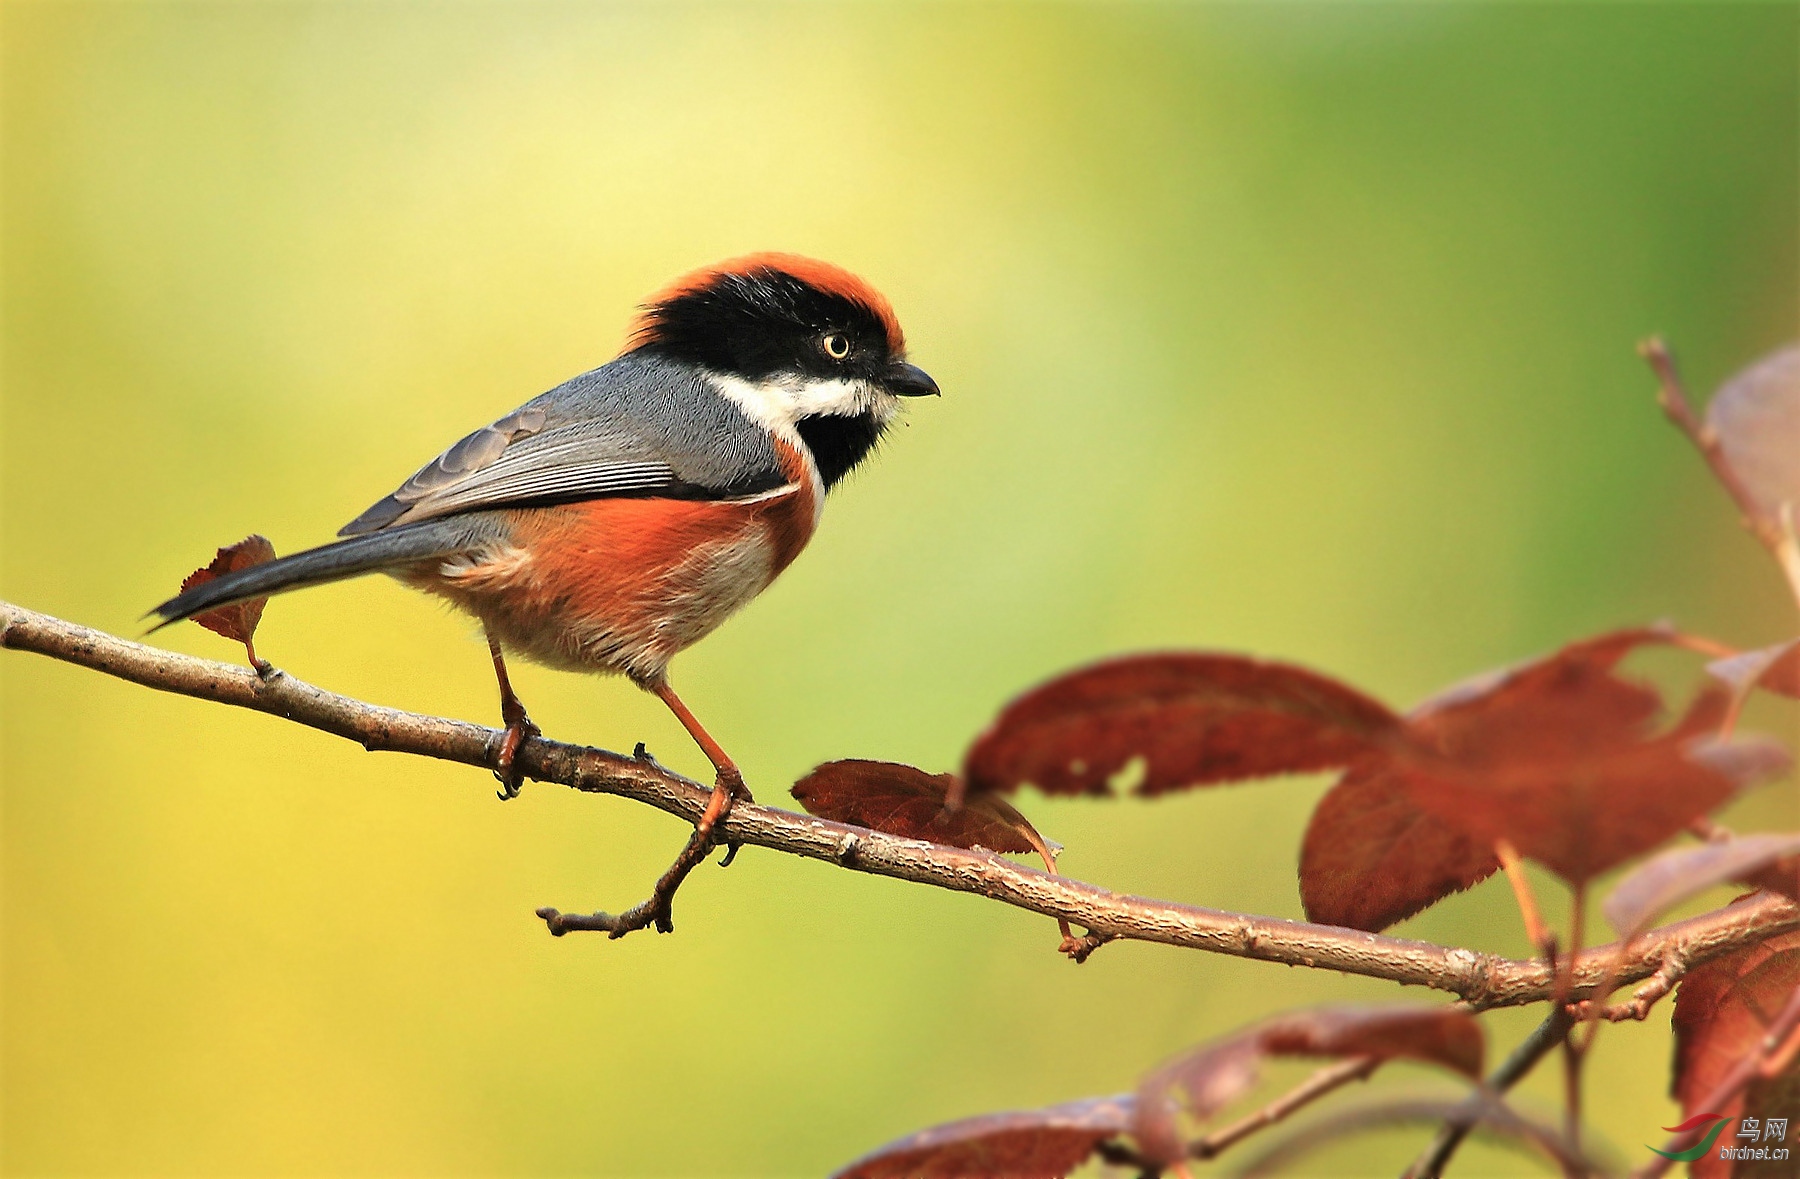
[[806, 348]]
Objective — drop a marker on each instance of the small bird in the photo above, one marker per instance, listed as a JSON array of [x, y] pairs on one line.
[[619, 518]]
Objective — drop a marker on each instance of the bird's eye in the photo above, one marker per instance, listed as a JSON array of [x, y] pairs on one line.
[[836, 345]]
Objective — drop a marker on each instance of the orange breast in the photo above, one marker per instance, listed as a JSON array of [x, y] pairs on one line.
[[623, 584]]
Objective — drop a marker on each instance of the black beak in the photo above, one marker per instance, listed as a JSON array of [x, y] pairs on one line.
[[909, 380]]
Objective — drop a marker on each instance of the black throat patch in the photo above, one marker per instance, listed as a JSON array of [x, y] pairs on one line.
[[839, 442]]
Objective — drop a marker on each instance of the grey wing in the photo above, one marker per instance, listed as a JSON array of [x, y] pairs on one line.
[[626, 429]]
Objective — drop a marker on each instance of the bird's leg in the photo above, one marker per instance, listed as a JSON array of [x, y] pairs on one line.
[[728, 786], [518, 726]]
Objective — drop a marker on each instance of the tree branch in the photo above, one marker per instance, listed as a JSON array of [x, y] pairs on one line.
[[1326, 1080], [1481, 980], [1547, 1035], [1777, 535]]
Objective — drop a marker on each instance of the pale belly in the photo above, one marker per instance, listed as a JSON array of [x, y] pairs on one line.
[[608, 619]]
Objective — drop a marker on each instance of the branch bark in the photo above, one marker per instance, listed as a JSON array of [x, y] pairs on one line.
[[1481, 980]]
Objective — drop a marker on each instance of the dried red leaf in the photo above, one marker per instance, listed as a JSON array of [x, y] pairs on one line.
[[1193, 719], [1214, 1075], [1580, 813], [905, 801], [1372, 856], [1442, 1036], [239, 621], [1677, 875], [1559, 758], [1773, 669], [1528, 706], [1033, 1144], [1756, 418], [1723, 1009]]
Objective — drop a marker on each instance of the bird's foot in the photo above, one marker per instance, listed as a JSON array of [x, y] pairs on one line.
[[728, 791], [510, 776]]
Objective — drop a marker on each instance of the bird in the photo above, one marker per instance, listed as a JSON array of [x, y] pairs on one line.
[[617, 519]]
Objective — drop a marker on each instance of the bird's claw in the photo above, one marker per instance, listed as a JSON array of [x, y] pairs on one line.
[[508, 774]]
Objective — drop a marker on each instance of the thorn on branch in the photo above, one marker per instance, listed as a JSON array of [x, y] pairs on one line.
[[1080, 949]]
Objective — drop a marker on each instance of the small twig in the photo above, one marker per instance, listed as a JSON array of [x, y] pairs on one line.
[[1314, 1087], [1672, 397], [1483, 1107], [1771, 1054], [1574, 1047], [1642, 1000], [1547, 1035], [657, 910], [1776, 535]]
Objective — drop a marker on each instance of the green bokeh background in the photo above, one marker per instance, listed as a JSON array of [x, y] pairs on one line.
[[1305, 331]]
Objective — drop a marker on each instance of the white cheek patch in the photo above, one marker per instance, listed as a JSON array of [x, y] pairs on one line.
[[778, 402]]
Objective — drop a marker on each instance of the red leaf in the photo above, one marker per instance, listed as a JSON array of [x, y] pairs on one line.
[[1756, 417], [904, 801], [1661, 883], [1194, 719], [1035, 1144], [1581, 812], [239, 621], [1558, 757], [1216, 1074], [1722, 1010], [1527, 706], [1773, 669], [1373, 857]]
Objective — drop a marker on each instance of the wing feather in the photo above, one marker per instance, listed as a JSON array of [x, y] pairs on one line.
[[628, 428]]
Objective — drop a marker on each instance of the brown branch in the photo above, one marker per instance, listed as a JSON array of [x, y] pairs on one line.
[[1770, 1056], [1776, 535], [1325, 1080], [1533, 1048], [657, 910], [1484, 1110], [1482, 980], [1642, 1000]]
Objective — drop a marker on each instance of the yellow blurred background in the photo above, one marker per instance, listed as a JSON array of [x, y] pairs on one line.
[[1304, 331]]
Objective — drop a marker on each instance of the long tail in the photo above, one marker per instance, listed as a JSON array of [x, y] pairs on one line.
[[335, 562]]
